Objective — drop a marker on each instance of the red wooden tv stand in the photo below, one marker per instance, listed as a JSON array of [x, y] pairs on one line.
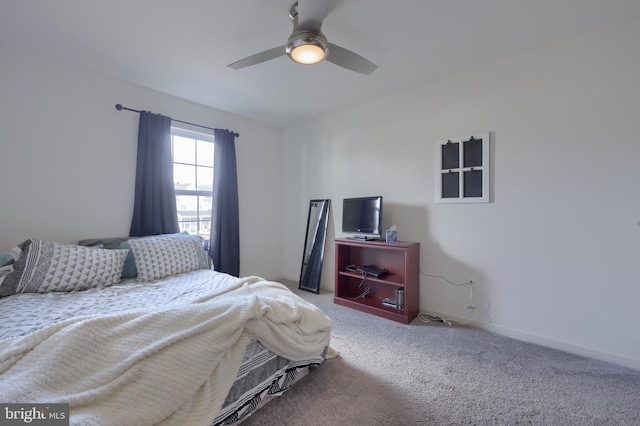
[[401, 260]]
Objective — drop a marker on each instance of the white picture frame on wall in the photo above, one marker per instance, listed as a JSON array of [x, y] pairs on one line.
[[462, 169]]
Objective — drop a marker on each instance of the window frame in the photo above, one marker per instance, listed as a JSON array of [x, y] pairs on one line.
[[197, 136]]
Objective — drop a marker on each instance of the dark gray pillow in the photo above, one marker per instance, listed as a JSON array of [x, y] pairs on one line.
[[45, 266], [108, 243]]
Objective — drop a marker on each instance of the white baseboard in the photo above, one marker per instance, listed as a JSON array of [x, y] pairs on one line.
[[525, 337], [555, 344]]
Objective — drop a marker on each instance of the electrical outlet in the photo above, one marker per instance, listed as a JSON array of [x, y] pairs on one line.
[[472, 302]]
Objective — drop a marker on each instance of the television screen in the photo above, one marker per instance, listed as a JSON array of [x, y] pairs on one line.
[[362, 216]]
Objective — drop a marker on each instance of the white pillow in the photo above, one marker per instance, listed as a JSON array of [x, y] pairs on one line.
[[46, 266], [160, 256]]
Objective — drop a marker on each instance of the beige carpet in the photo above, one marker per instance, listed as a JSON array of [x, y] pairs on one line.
[[435, 374]]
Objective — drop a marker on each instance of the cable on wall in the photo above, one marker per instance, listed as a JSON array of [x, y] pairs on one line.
[[470, 307], [470, 282]]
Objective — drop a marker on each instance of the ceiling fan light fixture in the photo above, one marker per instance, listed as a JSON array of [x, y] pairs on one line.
[[307, 54], [307, 47]]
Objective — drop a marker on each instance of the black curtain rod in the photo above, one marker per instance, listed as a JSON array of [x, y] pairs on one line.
[[119, 107]]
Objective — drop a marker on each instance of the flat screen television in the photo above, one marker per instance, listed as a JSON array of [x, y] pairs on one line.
[[362, 217]]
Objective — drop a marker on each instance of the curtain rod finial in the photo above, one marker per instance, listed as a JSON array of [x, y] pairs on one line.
[[119, 107]]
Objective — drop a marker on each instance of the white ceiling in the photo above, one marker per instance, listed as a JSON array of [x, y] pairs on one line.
[[183, 47]]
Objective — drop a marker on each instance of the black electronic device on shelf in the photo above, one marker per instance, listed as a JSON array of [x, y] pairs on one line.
[[372, 270]]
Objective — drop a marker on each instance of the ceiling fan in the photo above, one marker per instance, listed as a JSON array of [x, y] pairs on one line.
[[307, 45]]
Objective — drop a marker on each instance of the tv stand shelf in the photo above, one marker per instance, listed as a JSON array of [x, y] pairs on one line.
[[389, 278], [401, 260]]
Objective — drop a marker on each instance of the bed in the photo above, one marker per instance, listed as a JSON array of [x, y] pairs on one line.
[[179, 343]]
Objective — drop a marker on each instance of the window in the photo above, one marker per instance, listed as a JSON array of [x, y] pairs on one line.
[[462, 169], [193, 180]]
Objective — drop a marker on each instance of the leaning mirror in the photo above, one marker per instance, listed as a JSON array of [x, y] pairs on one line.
[[314, 242]]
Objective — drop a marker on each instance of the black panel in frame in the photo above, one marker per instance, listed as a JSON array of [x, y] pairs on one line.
[[472, 183], [472, 153], [450, 155], [451, 185]]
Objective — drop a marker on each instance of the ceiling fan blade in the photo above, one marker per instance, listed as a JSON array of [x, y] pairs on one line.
[[267, 55], [349, 60], [311, 13]]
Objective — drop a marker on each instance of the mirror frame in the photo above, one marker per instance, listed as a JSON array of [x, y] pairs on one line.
[[314, 243]]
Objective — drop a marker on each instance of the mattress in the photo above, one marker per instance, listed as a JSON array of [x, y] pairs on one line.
[[24, 313], [261, 374]]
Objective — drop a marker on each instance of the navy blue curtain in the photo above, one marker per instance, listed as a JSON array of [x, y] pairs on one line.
[[154, 209], [224, 245]]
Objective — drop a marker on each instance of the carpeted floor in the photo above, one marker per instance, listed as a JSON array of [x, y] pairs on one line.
[[434, 374]]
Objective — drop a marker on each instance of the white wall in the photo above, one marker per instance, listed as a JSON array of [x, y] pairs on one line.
[[67, 159], [555, 255]]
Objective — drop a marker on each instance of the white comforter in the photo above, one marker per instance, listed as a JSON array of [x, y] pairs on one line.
[[172, 366]]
